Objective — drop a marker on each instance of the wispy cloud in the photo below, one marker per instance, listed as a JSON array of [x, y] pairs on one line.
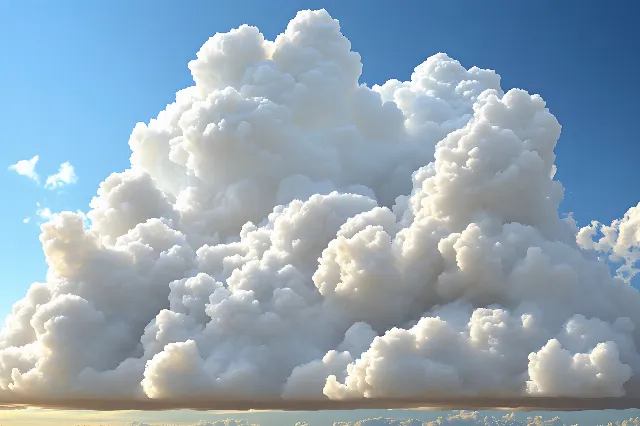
[[27, 168], [44, 213], [66, 175]]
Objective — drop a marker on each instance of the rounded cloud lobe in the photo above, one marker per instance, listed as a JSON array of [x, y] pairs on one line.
[[286, 232]]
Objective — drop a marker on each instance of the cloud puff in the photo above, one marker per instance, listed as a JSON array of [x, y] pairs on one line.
[[620, 241], [288, 237], [27, 168], [43, 213], [66, 175]]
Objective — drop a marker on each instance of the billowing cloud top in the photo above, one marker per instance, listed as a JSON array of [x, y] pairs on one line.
[[286, 234]]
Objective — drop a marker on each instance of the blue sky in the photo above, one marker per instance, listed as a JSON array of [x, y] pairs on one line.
[[76, 76]]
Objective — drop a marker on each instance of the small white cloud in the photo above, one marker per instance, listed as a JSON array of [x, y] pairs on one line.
[[44, 213], [66, 175], [26, 220], [27, 168]]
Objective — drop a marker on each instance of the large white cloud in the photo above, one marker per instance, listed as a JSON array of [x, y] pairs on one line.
[[285, 233], [225, 422]]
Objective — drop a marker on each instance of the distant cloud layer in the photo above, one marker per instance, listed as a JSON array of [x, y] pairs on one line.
[[468, 418], [226, 422], [285, 234]]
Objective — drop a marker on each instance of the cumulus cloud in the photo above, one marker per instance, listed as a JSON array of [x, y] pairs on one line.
[[620, 241], [286, 237], [472, 418], [27, 168], [66, 175]]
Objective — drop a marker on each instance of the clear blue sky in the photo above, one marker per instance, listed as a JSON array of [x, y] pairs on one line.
[[76, 76]]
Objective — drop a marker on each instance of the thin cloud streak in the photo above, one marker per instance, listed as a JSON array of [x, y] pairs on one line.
[[444, 403]]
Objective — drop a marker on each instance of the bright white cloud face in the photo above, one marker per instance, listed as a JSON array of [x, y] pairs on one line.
[[66, 175], [27, 168], [286, 233]]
